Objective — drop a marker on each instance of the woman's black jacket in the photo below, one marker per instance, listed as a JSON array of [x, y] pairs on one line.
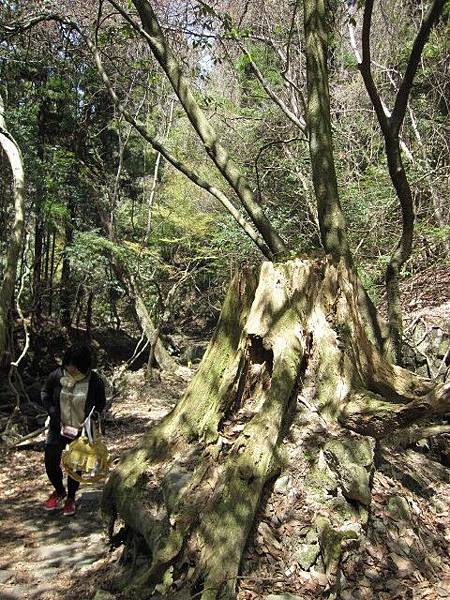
[[50, 395]]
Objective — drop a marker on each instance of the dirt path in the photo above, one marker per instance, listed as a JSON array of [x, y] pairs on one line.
[[47, 556]]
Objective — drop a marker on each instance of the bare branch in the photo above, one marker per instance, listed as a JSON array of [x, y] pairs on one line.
[[291, 31], [154, 36], [20, 26], [298, 121]]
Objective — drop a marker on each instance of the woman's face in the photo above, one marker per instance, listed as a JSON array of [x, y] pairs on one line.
[[72, 370]]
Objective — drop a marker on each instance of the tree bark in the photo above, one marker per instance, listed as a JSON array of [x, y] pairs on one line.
[[37, 265], [12, 151], [403, 250], [151, 196], [331, 218], [52, 274], [89, 303], [66, 292], [290, 356]]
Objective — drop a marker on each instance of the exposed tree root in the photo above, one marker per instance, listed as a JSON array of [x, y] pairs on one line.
[[291, 352]]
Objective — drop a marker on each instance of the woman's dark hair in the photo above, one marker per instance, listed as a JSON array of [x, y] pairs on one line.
[[79, 356]]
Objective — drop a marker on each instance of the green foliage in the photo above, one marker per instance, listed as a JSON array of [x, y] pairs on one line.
[[433, 232], [349, 60], [89, 256]]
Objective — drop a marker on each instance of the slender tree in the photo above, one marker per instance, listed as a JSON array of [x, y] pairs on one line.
[[14, 157], [390, 124]]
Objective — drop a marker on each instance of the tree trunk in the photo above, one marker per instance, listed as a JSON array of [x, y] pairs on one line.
[[128, 281], [47, 263], [39, 229], [163, 358], [67, 292], [78, 306], [289, 358], [37, 267], [151, 196], [52, 275], [331, 218], [403, 250], [390, 124], [12, 151], [112, 293], [89, 313]]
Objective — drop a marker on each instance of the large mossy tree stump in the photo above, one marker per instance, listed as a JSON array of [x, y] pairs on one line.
[[291, 349]]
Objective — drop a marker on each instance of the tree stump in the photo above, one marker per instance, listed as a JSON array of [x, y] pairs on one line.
[[291, 351]]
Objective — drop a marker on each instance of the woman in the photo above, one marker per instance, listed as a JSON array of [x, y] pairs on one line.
[[70, 394]]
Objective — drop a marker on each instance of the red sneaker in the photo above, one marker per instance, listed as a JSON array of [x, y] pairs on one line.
[[53, 502], [69, 508]]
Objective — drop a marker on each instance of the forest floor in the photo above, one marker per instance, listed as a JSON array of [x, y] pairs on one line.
[[47, 556]]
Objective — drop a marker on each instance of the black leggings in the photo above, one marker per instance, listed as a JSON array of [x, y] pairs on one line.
[[53, 452]]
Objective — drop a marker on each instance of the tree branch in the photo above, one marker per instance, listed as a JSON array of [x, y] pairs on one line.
[[22, 26], [401, 100], [298, 121], [365, 68]]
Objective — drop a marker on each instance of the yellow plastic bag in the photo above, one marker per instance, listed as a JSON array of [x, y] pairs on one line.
[[86, 459]]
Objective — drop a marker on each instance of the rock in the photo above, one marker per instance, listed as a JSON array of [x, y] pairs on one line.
[[355, 484], [350, 459], [282, 484], [193, 353], [306, 555], [5, 574], [430, 337], [398, 508], [438, 507]]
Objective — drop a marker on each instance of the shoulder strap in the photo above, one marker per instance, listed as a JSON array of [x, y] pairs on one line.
[[87, 427]]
